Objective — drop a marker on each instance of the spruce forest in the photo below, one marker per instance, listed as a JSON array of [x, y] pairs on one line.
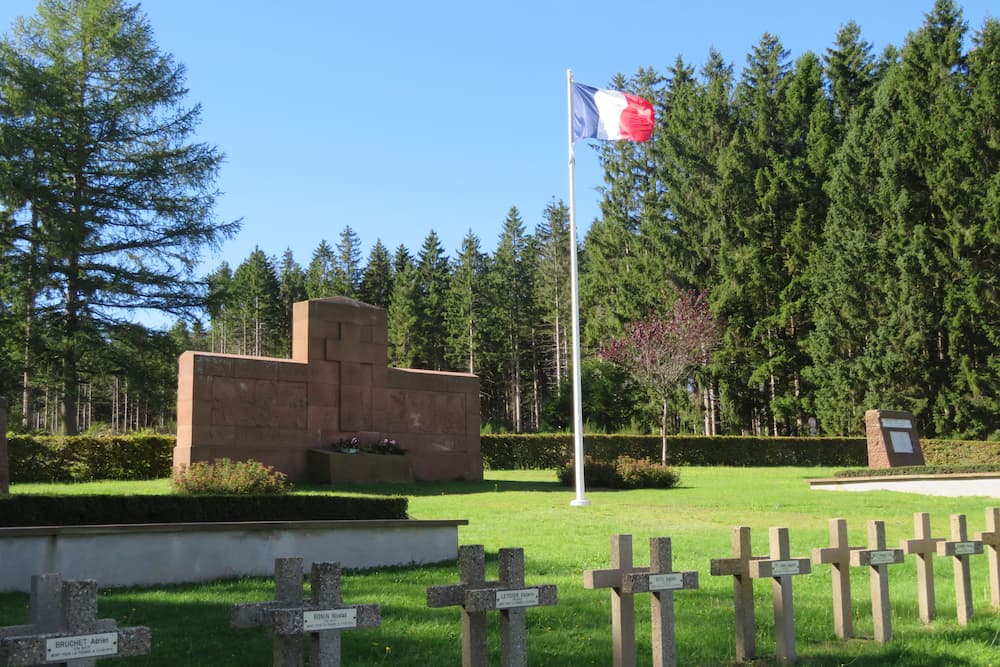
[[840, 211]]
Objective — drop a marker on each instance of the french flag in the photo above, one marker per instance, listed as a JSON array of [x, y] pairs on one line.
[[610, 114]]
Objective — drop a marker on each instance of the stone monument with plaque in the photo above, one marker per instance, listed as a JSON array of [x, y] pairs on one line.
[[892, 439], [64, 628]]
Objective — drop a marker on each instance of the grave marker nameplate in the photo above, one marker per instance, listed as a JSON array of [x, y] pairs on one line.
[[991, 544], [892, 439], [661, 582], [960, 548], [923, 546], [738, 567], [780, 568], [622, 603], [289, 616], [838, 555], [472, 575], [878, 559], [64, 627]]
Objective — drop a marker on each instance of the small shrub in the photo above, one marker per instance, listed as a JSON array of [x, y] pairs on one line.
[[226, 477], [622, 473], [644, 474]]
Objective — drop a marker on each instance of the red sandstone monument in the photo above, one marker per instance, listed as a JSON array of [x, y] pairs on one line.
[[336, 386]]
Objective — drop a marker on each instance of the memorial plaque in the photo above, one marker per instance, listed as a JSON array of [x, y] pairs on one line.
[[329, 619], [892, 439], [666, 582], [882, 558], [781, 567], [965, 548], [527, 597], [901, 442], [81, 646]]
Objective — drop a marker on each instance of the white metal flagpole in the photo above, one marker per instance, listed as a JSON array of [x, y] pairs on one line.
[[579, 501]]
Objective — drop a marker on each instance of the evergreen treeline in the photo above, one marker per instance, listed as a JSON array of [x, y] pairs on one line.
[[841, 210]]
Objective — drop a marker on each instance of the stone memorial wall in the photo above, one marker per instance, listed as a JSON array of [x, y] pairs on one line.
[[337, 386]]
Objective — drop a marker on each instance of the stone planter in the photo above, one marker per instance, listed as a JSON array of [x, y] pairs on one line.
[[328, 467]]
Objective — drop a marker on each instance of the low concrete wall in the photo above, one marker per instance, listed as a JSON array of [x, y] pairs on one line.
[[959, 484], [152, 554]]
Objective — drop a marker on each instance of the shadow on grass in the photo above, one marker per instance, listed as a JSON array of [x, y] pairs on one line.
[[437, 488]]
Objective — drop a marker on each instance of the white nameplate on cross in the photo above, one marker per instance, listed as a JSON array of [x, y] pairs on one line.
[[329, 619], [666, 582], [527, 597], [897, 423], [882, 558], [780, 567], [965, 548], [81, 646]]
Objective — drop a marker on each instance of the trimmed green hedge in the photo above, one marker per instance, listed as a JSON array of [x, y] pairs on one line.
[[80, 458], [29, 510], [960, 452], [516, 451]]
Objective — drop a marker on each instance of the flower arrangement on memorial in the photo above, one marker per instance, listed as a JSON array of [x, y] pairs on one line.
[[386, 446]]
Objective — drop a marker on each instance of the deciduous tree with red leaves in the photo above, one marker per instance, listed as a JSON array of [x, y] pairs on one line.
[[660, 351]]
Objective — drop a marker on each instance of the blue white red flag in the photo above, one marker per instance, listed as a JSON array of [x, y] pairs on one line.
[[610, 114]]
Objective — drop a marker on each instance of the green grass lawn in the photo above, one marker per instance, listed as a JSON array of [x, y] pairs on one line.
[[190, 624]]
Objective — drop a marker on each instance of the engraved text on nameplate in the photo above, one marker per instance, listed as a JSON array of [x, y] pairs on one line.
[[527, 597], [882, 558], [897, 423], [81, 646], [666, 582], [965, 548], [329, 619], [780, 567]]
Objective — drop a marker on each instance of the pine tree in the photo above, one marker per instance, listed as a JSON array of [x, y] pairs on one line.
[[376, 279], [98, 146], [348, 269], [431, 277], [292, 289], [256, 306], [321, 274], [402, 315], [464, 306]]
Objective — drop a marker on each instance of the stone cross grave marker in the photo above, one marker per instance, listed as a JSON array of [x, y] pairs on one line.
[[64, 628], [661, 581], [923, 546], [878, 559], [960, 548], [622, 603], [472, 575], [780, 568], [289, 616], [838, 555], [511, 599], [991, 543], [738, 567]]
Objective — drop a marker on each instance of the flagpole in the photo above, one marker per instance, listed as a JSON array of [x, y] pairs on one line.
[[579, 501]]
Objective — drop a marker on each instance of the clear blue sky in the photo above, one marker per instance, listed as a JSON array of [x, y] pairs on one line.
[[397, 117]]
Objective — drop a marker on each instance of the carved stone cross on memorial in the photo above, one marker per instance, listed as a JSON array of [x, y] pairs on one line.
[[472, 575], [511, 599], [289, 616], [661, 581], [878, 558], [738, 567], [838, 555], [622, 603], [780, 568], [960, 548], [64, 628], [923, 546], [991, 543]]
